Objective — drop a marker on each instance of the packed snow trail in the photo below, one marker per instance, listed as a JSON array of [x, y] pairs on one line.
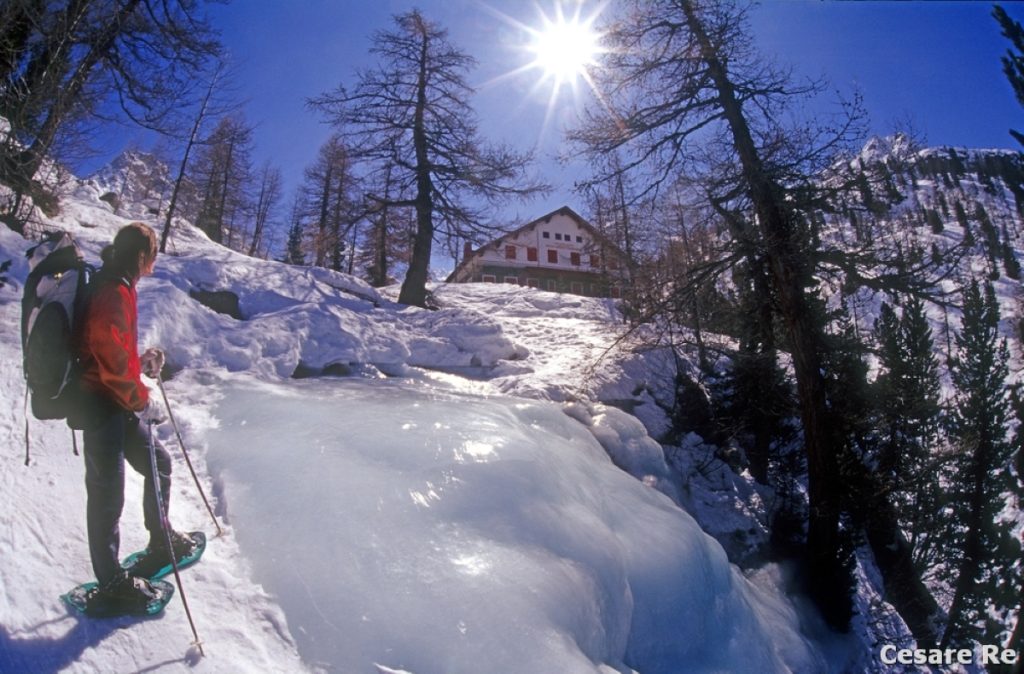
[[420, 529]]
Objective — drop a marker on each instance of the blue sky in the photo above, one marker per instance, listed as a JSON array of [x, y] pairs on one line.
[[935, 63]]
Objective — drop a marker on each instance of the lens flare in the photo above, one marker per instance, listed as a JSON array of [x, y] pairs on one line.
[[565, 48]]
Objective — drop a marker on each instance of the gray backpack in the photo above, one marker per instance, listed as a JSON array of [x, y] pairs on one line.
[[53, 300]]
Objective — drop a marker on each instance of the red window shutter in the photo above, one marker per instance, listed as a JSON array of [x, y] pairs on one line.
[[553, 256], [531, 254], [510, 252], [574, 258]]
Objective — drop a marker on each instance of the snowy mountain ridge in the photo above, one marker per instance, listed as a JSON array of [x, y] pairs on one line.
[[137, 184]]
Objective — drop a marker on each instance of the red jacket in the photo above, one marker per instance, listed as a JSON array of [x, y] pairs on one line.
[[108, 345]]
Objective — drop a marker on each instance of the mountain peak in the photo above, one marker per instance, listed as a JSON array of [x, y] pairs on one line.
[[135, 183]]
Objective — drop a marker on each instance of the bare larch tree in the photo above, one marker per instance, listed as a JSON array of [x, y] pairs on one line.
[[411, 115]]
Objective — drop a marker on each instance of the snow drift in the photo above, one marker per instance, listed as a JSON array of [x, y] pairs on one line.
[[404, 518]]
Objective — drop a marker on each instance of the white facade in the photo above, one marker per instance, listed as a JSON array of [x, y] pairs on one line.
[[559, 252]]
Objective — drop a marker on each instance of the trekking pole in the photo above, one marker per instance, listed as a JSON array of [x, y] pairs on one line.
[[167, 534], [184, 452]]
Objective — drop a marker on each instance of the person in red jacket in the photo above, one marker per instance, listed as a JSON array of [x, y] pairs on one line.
[[116, 402]]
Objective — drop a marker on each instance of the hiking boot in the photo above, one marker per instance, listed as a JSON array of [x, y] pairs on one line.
[[156, 560], [124, 595]]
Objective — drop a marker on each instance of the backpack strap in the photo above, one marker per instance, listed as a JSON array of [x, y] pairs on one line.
[[26, 424], [74, 438]]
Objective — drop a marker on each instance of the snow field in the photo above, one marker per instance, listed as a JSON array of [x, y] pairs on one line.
[[424, 526], [430, 531]]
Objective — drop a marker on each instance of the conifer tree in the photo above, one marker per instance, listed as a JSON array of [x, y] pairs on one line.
[[1010, 264], [961, 215], [755, 398], [389, 235], [992, 244], [224, 169], [293, 253], [908, 403], [1016, 639], [330, 202], [981, 545], [1013, 60], [411, 114], [687, 96]]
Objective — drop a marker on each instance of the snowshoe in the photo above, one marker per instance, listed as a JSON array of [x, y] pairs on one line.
[[155, 561], [124, 596]]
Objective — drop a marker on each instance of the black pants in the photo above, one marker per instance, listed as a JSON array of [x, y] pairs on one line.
[[118, 437]]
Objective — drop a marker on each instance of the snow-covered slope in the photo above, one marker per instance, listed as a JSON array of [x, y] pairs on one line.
[[590, 567]]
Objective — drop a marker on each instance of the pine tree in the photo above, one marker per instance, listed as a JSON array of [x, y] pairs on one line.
[[908, 408], [961, 214], [981, 546], [1010, 263], [699, 104], [294, 254], [1013, 60], [1016, 640], [992, 244], [961, 218], [755, 397]]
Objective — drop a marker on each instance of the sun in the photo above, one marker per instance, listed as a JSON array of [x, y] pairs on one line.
[[565, 48]]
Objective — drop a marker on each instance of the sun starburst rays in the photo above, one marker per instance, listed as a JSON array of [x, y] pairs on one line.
[[563, 47]]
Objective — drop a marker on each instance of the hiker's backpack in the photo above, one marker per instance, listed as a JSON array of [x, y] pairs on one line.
[[53, 300]]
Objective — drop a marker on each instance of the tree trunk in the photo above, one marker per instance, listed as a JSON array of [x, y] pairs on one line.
[[352, 249], [970, 565], [765, 351], [414, 288], [904, 588], [627, 229], [830, 580], [165, 235], [381, 272], [261, 216], [1016, 642], [216, 232], [325, 204], [337, 236], [268, 195]]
